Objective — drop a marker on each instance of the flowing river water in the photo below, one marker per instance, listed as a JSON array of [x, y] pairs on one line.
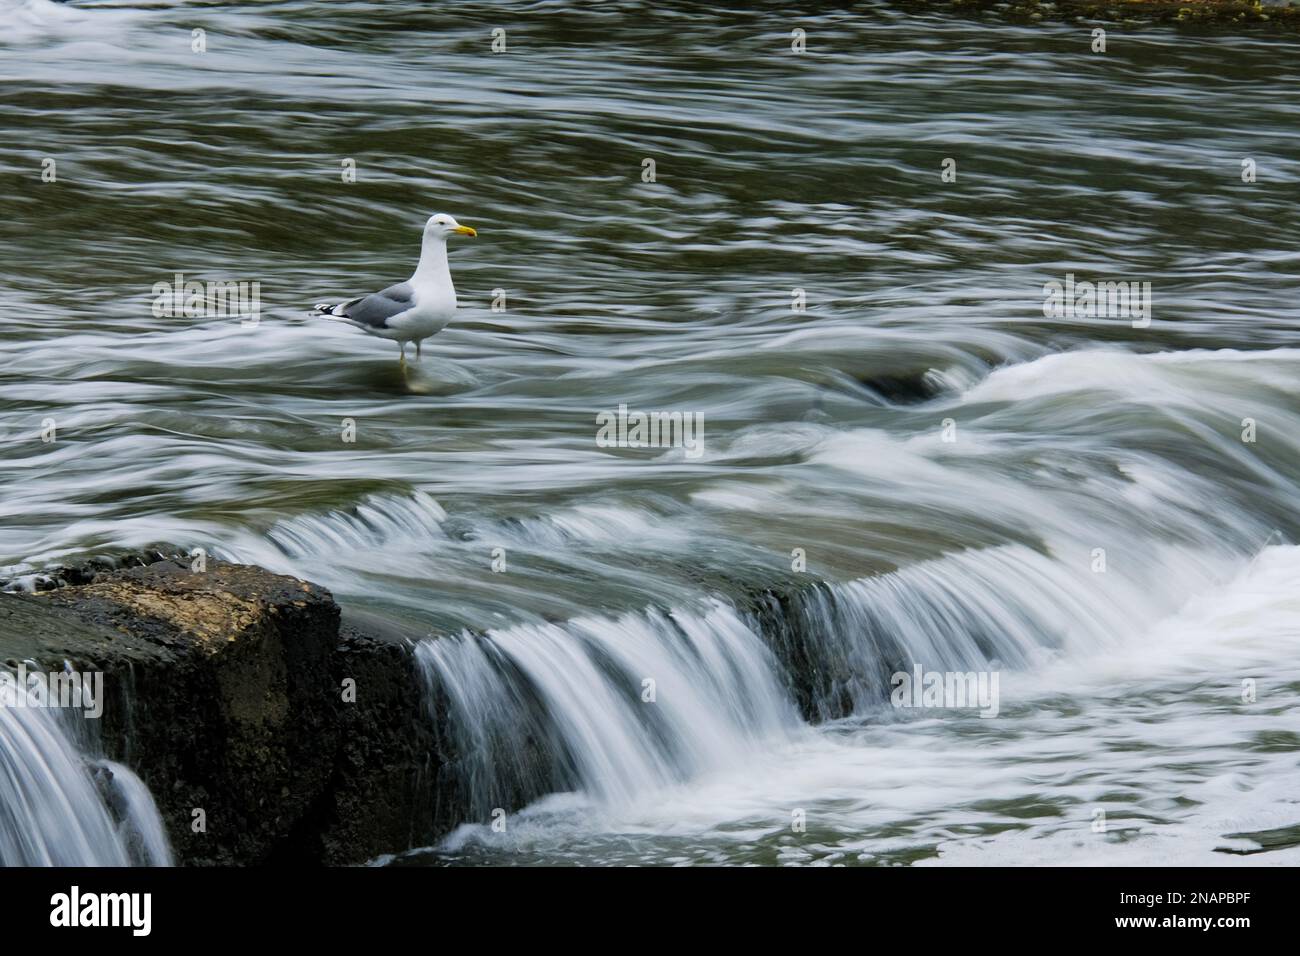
[[897, 436]]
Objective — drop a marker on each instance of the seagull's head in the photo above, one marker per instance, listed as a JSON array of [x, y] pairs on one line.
[[442, 225]]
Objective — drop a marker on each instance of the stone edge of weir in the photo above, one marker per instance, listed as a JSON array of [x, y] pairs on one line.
[[226, 691]]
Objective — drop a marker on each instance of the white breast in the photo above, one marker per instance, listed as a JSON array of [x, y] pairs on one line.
[[435, 304]]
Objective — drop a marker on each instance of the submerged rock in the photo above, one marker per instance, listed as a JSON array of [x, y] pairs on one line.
[[266, 732]]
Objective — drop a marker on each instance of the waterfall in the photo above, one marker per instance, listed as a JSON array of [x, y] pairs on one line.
[[60, 808], [540, 708], [613, 707], [1008, 607], [140, 828]]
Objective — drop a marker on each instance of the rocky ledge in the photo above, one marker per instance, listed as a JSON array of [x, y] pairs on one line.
[[242, 701], [305, 734]]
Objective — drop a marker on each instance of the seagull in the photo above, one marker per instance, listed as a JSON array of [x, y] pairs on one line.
[[416, 309]]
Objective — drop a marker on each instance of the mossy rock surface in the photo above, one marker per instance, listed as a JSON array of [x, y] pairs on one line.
[[224, 691]]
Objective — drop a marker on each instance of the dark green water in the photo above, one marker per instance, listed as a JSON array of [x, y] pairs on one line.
[[824, 429]]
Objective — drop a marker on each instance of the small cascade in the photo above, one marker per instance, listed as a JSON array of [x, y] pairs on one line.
[[540, 708], [1010, 607], [59, 808], [612, 707], [140, 827]]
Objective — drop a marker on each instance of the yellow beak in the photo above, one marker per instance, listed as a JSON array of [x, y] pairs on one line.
[[465, 231]]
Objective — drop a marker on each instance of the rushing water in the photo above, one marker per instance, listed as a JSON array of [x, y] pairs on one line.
[[60, 808], [948, 459]]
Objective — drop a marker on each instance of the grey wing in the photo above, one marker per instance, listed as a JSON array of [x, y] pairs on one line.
[[376, 309]]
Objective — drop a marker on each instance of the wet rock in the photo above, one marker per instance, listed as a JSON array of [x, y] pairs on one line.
[[833, 661], [235, 692]]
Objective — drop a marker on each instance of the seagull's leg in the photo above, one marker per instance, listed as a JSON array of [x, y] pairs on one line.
[[417, 349], [402, 361]]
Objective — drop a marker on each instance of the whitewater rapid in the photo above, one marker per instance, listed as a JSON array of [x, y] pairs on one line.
[[1145, 644], [633, 655], [1148, 737]]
